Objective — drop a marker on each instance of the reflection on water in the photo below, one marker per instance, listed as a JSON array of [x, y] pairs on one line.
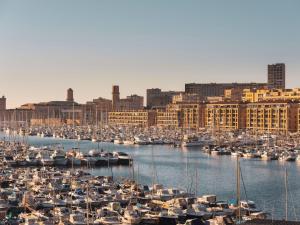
[[190, 169]]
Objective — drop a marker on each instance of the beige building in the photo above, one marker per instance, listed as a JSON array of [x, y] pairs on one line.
[[271, 95], [186, 98], [182, 115], [169, 117], [273, 116], [141, 118], [225, 116]]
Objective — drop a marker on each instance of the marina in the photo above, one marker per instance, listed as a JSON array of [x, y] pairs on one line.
[[197, 172]]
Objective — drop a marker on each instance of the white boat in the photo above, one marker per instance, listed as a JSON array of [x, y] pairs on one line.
[[131, 217], [128, 142], [77, 219], [59, 157], [198, 211], [118, 142], [288, 156], [108, 217], [140, 141], [44, 158], [31, 159], [123, 158]]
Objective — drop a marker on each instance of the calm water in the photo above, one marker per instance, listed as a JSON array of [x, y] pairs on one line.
[[191, 169]]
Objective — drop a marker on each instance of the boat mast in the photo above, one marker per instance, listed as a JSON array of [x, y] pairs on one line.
[[286, 194], [238, 188]]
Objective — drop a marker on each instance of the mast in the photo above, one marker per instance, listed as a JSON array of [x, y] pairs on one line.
[[238, 188], [87, 204], [286, 194]]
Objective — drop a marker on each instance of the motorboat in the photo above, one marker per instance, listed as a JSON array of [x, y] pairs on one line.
[[59, 157], [44, 158]]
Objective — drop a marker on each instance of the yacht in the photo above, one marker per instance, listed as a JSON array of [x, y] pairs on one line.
[[288, 156], [77, 219], [59, 157], [123, 158], [31, 159], [131, 217], [249, 208], [197, 211], [140, 140], [9, 161], [44, 158]]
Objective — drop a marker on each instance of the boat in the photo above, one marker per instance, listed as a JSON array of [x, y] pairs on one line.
[[59, 157], [131, 217], [138, 140], [128, 142], [123, 158], [77, 219], [31, 159], [9, 161], [44, 158]]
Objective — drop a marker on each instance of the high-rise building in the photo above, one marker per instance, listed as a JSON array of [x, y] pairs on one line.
[[276, 76], [70, 95], [115, 96], [3, 103]]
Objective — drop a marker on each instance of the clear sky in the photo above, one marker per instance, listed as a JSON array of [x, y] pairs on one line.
[[49, 46]]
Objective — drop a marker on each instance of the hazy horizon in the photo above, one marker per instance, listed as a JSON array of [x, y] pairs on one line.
[[50, 46]]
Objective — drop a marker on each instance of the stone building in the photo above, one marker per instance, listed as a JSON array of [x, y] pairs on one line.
[[156, 98], [96, 111], [2, 103], [132, 102]]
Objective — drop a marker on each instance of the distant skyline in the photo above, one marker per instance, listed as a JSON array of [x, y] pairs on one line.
[[47, 47]]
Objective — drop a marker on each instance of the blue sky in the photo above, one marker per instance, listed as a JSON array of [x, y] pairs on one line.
[[49, 46]]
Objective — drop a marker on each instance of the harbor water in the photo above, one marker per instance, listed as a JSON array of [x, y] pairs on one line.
[[190, 169]]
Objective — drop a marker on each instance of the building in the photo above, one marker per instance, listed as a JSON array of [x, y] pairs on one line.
[[217, 89], [276, 76], [133, 102], [70, 95], [192, 115], [234, 94], [225, 116], [298, 122], [156, 98], [271, 95], [272, 116], [141, 118], [115, 96], [56, 113], [186, 98], [96, 111], [169, 117], [15, 117], [2, 103], [181, 115]]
